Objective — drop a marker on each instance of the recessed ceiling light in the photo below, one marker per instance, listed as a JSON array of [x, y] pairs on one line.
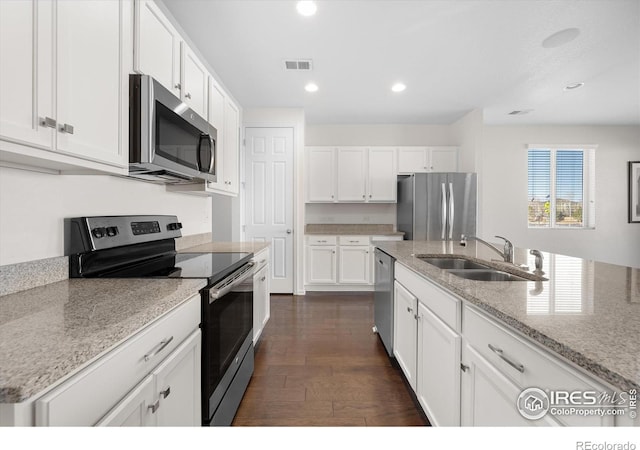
[[572, 86], [561, 38], [398, 87], [311, 87], [306, 8]]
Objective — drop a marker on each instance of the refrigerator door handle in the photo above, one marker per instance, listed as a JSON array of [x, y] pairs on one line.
[[444, 212], [451, 210]]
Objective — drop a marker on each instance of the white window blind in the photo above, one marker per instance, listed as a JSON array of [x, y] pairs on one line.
[[561, 187]]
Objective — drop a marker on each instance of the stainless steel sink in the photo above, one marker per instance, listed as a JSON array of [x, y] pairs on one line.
[[485, 275], [452, 263]]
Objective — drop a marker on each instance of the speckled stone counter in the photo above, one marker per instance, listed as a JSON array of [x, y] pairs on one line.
[[224, 247], [48, 332], [351, 229], [588, 312]]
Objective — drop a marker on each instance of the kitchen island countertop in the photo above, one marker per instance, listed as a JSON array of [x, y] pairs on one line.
[[587, 311]]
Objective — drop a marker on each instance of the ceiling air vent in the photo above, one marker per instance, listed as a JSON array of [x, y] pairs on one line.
[[520, 112], [297, 64]]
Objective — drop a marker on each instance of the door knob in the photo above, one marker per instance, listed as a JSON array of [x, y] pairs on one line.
[[289, 231]]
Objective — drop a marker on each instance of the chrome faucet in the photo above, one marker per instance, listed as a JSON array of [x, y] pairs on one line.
[[538, 262], [506, 253]]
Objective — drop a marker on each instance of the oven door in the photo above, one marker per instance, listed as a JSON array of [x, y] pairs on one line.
[[227, 326]]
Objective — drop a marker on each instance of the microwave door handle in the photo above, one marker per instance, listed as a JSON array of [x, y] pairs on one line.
[[199, 152], [213, 155]]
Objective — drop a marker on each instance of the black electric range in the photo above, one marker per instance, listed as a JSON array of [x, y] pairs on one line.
[[144, 247]]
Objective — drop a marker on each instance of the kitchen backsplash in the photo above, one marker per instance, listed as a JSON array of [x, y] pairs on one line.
[[350, 213]]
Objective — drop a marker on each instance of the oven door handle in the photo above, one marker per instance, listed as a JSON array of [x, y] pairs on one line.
[[236, 278]]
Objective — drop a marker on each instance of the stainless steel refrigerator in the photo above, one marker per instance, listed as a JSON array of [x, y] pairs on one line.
[[437, 206]]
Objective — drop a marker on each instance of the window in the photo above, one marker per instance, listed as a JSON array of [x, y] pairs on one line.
[[561, 187]]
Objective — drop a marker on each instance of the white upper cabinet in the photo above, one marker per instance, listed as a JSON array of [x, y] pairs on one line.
[[352, 174], [216, 118], [64, 84], [321, 173], [89, 79], [231, 147], [26, 83], [382, 175], [427, 159], [157, 46], [194, 81]]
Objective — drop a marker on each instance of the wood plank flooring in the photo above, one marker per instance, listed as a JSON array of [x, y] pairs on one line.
[[319, 364]]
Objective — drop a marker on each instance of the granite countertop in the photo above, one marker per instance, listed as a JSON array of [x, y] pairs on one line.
[[352, 229], [225, 247], [48, 332], [588, 312]]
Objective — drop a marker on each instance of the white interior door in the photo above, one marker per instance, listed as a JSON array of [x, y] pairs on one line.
[[269, 199]]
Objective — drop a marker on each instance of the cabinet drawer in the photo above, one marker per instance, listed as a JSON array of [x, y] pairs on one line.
[[527, 365], [322, 240], [353, 240], [443, 305], [86, 397]]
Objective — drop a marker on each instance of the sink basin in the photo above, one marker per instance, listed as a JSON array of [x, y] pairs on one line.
[[452, 263], [485, 275]]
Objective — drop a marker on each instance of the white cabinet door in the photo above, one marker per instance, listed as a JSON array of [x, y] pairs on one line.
[[438, 387], [26, 77], [405, 331], [443, 159], [352, 174], [216, 118], [231, 156], [382, 175], [194, 82], [488, 397], [321, 264], [157, 46], [261, 309], [412, 159], [321, 174], [354, 265], [177, 385], [135, 410], [89, 79]]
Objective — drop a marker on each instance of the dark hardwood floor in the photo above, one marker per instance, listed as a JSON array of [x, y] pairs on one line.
[[319, 364]]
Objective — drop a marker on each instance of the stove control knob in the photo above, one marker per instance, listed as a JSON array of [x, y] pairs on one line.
[[112, 231], [98, 232], [174, 226]]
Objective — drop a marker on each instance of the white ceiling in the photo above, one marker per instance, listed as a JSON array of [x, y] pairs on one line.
[[454, 56]]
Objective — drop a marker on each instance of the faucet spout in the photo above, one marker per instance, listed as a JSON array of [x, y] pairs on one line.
[[507, 253]]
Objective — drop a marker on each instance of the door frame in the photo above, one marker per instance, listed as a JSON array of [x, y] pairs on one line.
[[298, 194]]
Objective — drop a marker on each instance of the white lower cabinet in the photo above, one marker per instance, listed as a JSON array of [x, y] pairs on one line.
[[321, 264], [170, 396], [438, 387], [153, 378], [354, 265], [405, 330], [261, 294]]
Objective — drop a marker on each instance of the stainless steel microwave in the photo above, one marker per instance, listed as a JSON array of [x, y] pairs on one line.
[[168, 142]]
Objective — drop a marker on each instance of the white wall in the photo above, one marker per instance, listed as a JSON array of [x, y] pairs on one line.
[[467, 135], [33, 206], [294, 118], [353, 213], [391, 134], [504, 185]]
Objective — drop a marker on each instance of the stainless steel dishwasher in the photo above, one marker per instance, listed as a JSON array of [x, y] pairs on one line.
[[383, 299]]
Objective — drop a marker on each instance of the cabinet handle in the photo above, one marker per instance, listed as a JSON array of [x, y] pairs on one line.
[[409, 310], [322, 241], [332, 196], [187, 95], [166, 392], [417, 316], [262, 261], [177, 86], [66, 128], [333, 251], [154, 407], [163, 344], [48, 122], [263, 278], [363, 196], [370, 195], [464, 367], [500, 353]]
